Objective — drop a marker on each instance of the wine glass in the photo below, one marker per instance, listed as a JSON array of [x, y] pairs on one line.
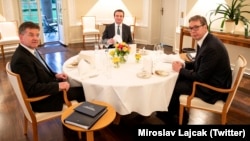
[[106, 44], [160, 48]]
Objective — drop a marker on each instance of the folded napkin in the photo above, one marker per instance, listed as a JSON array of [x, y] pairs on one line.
[[132, 48], [117, 38], [170, 58], [89, 57], [86, 70]]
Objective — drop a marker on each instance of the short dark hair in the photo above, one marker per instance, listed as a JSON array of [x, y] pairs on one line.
[[202, 19], [119, 10], [26, 25]]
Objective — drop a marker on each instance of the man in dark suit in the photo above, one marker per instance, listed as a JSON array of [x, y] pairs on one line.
[[37, 78], [211, 66], [117, 29]]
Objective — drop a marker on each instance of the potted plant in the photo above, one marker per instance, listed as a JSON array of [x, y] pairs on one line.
[[230, 13]]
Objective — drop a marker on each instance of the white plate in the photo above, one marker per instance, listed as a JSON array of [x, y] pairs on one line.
[[161, 72], [143, 75]]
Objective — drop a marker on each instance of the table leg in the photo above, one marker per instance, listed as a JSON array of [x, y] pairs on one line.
[[117, 119], [79, 135], [90, 136]]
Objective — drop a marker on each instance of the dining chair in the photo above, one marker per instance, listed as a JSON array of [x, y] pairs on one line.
[[33, 117], [8, 35], [220, 107], [130, 21], [89, 28]]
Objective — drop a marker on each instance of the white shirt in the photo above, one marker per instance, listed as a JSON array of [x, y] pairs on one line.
[[201, 40], [32, 51]]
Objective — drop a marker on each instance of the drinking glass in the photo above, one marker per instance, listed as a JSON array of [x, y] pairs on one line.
[[101, 44], [158, 48], [106, 44], [157, 53], [96, 47], [161, 48]]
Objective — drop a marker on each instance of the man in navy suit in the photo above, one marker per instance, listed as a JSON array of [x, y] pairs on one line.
[[211, 66], [37, 78], [117, 30]]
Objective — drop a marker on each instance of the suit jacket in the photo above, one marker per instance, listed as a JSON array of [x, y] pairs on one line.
[[109, 32], [211, 66], [37, 80]]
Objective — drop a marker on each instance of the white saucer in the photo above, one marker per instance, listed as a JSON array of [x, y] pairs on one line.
[[72, 65], [161, 72], [143, 75]]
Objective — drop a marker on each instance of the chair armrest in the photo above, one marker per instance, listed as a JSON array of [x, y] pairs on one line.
[[222, 90], [34, 99], [67, 102]]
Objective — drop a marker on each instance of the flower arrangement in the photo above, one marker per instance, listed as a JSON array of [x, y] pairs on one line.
[[121, 49]]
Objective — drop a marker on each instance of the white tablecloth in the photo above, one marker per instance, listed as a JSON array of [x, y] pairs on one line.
[[122, 88]]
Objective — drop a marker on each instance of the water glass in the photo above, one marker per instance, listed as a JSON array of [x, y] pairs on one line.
[[96, 47], [106, 44], [158, 48], [101, 44]]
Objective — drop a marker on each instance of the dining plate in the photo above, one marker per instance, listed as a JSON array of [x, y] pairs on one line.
[[161, 72], [143, 75]]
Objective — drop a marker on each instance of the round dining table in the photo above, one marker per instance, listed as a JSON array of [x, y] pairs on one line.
[[125, 87]]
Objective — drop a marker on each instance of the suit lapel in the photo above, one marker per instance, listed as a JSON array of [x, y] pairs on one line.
[[37, 62]]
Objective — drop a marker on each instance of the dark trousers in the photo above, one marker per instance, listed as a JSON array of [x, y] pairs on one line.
[[182, 86], [55, 102], [76, 93]]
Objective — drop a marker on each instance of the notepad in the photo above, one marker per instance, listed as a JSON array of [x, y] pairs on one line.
[[81, 120], [90, 109]]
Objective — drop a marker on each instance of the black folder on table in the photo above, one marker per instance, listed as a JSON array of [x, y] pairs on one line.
[[90, 109], [82, 120]]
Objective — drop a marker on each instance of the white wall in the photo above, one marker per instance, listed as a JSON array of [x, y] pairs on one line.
[[104, 14]]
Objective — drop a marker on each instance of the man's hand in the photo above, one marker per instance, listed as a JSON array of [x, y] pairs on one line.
[[62, 76], [111, 41], [177, 65], [64, 86]]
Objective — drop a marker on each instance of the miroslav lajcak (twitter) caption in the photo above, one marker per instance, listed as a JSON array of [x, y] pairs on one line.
[[189, 133]]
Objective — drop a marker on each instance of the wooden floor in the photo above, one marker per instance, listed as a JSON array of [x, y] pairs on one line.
[[11, 116]]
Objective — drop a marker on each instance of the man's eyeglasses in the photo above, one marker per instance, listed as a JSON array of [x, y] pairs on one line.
[[195, 28]]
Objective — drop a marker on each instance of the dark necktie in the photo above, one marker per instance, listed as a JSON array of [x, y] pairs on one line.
[[40, 59], [198, 48], [118, 30]]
